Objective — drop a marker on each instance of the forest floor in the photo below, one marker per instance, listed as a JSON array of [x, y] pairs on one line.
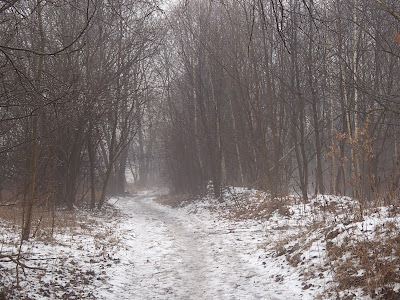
[[154, 246]]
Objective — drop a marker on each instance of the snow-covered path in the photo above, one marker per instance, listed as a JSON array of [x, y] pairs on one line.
[[171, 254]]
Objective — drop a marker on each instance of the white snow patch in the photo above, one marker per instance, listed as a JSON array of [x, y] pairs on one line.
[[139, 249]]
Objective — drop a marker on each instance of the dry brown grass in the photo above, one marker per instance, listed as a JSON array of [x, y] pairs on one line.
[[260, 206], [267, 208], [45, 222], [10, 195], [173, 200], [11, 214], [369, 264]]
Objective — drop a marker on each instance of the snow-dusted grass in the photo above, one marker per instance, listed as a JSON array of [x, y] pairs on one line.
[[68, 264], [336, 249], [248, 246]]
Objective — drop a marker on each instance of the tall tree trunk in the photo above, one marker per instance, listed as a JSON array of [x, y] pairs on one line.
[[352, 135], [74, 162], [303, 168], [109, 166], [354, 140], [216, 143], [143, 172], [332, 168], [121, 177], [235, 138], [35, 135], [92, 158], [319, 175]]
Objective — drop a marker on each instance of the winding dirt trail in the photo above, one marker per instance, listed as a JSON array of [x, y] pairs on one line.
[[171, 254]]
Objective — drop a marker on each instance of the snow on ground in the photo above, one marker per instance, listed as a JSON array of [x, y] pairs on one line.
[[246, 247], [178, 255], [66, 265]]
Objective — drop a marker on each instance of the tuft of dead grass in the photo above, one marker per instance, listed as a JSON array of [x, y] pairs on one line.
[[269, 206], [260, 206], [173, 200], [369, 264]]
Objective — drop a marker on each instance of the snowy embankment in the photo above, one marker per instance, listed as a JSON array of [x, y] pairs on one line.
[[332, 246], [247, 247]]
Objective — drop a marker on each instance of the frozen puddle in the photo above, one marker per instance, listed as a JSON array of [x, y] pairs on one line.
[[171, 254]]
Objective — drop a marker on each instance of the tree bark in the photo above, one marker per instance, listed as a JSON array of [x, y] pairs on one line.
[[35, 135]]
